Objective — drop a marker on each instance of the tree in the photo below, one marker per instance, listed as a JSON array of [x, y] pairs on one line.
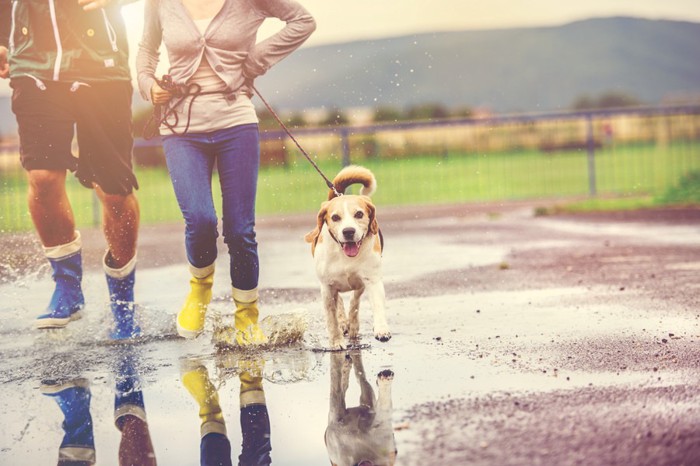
[[335, 117], [427, 111], [384, 114], [609, 99]]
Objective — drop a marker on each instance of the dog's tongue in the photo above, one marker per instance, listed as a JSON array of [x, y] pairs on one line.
[[351, 249]]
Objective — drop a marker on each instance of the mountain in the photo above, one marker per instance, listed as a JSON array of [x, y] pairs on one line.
[[506, 70], [525, 69]]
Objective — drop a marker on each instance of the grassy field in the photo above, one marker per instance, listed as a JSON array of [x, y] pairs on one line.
[[644, 171]]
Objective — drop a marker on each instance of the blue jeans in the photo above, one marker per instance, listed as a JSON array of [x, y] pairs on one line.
[[191, 159]]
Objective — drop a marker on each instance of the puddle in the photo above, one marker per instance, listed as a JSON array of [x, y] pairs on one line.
[[458, 346]]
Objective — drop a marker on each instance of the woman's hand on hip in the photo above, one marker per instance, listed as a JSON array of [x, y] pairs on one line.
[[89, 5]]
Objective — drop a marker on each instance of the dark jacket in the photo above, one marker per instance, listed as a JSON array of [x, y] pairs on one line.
[[56, 40]]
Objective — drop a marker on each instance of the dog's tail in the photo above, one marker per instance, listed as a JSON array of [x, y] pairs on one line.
[[353, 174]]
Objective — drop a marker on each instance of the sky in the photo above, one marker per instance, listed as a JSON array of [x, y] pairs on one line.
[[340, 21]]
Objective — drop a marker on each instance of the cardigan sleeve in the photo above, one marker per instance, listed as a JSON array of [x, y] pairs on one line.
[[148, 54], [299, 26], [5, 22]]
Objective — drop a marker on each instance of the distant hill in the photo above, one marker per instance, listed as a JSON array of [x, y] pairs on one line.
[[507, 70], [525, 69]]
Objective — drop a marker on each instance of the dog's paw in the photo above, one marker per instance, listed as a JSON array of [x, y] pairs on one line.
[[338, 345], [382, 335], [386, 375]]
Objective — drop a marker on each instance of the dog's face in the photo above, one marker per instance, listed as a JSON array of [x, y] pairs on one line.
[[349, 219]]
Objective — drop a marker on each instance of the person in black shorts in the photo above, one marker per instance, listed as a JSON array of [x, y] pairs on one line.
[[68, 66]]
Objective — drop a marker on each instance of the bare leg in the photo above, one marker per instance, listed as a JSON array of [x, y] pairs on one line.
[[50, 208], [120, 222]]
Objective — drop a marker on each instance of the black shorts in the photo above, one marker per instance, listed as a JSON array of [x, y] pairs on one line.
[[101, 116]]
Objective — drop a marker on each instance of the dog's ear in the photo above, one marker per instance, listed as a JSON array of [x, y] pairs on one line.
[[312, 236], [372, 214]]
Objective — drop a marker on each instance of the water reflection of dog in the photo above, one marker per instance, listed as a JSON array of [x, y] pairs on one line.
[[215, 448], [362, 435], [72, 395]]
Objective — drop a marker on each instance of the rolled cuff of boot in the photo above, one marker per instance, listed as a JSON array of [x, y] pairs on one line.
[[252, 397], [63, 251], [202, 272], [245, 296], [128, 410], [122, 272], [212, 427]]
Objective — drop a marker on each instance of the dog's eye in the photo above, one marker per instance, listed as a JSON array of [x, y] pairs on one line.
[[335, 218], [359, 214]]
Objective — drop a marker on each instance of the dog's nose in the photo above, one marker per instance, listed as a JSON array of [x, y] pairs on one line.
[[348, 233]]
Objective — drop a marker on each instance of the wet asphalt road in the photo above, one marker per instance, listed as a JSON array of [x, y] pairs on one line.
[[517, 340]]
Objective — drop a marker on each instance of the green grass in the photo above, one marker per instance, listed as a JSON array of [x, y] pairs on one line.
[[685, 193], [633, 175]]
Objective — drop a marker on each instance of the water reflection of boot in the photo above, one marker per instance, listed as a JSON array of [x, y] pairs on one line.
[[136, 447], [73, 398], [215, 448], [255, 421]]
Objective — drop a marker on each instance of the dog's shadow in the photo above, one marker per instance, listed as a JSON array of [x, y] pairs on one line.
[[363, 434]]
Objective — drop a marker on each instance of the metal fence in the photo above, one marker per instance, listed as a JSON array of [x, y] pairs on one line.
[[623, 152]]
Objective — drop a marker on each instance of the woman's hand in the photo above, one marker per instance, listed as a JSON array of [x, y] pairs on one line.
[[159, 95], [4, 65], [89, 5]]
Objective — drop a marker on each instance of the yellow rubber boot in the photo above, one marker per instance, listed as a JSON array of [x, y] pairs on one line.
[[195, 379], [248, 332], [190, 319]]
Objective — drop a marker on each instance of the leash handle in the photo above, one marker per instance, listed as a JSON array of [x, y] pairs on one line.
[[161, 112], [329, 183]]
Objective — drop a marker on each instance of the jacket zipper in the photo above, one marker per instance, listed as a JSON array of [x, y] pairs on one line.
[[12, 27], [57, 37], [111, 34]]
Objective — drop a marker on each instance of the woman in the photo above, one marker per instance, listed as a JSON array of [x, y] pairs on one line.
[[209, 119]]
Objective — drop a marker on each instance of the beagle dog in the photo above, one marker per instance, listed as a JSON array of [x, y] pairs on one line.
[[347, 249], [363, 434]]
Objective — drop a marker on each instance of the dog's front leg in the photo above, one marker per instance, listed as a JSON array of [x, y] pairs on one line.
[[354, 315], [340, 312], [384, 404], [376, 299], [335, 333], [384, 410], [340, 370], [366, 392]]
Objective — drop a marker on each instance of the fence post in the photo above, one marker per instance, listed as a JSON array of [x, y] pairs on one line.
[[345, 142], [590, 143]]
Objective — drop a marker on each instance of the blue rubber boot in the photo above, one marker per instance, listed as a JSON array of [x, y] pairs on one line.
[[121, 298], [67, 299], [73, 398]]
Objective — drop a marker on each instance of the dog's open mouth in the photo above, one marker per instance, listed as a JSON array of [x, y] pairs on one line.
[[351, 248]]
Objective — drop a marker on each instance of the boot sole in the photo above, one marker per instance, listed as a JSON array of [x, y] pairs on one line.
[[53, 322], [189, 334]]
